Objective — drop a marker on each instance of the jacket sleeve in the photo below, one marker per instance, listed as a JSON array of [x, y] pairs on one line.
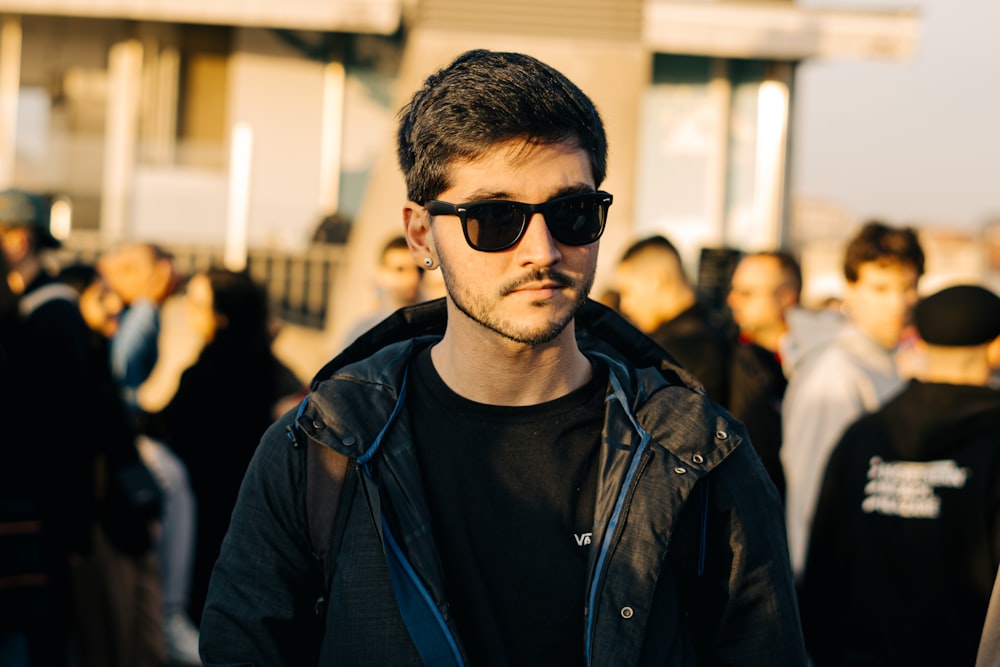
[[757, 621], [265, 584]]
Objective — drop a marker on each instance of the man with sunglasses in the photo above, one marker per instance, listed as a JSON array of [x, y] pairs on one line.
[[531, 480]]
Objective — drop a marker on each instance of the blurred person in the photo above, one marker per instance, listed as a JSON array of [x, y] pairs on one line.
[[763, 288], [121, 299], [656, 296], [56, 325], [143, 276], [223, 404], [397, 284], [98, 527], [988, 654], [536, 482], [23, 578], [905, 542], [128, 566], [852, 374]]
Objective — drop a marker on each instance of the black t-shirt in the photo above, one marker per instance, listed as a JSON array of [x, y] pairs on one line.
[[511, 492]]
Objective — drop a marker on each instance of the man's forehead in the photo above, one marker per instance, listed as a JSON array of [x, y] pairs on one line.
[[886, 269], [757, 273]]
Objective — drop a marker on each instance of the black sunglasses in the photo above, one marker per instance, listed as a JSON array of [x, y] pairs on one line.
[[494, 225]]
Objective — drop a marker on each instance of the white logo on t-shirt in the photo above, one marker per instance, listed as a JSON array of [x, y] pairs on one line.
[[583, 539], [906, 488]]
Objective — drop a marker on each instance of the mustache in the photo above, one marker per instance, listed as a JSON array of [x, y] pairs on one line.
[[536, 276]]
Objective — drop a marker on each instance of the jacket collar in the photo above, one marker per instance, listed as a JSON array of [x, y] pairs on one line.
[[598, 328], [350, 421]]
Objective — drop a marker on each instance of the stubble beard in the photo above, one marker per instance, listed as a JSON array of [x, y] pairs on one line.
[[482, 311]]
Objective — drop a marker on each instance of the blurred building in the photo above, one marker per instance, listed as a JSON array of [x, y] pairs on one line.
[[246, 123]]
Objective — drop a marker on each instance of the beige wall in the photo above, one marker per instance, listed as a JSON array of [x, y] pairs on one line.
[[280, 95]]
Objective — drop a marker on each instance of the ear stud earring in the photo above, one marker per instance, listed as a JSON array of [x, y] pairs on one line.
[[428, 262]]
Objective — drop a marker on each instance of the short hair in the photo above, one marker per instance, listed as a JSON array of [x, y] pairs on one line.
[[78, 275], [484, 98], [787, 264], [157, 251], [656, 242], [245, 304], [881, 243], [394, 243]]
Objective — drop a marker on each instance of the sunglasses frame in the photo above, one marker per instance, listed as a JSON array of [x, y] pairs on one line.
[[437, 207]]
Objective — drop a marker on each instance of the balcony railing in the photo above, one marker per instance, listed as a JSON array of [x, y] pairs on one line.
[[299, 284]]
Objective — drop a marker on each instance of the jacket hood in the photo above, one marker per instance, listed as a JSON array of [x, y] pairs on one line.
[[929, 420], [808, 332]]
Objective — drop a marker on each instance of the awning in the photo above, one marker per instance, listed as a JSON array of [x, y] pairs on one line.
[[778, 31], [362, 16]]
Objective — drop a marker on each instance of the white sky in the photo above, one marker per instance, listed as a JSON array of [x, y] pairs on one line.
[[915, 142]]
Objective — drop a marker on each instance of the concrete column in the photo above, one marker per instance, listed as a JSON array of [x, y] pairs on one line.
[[160, 83], [720, 89], [332, 137], [120, 138], [10, 83], [773, 107]]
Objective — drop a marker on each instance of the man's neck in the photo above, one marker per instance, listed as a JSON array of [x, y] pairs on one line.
[[486, 368], [769, 339], [966, 366], [679, 301]]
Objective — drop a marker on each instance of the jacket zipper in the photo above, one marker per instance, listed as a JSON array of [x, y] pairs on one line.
[[639, 463]]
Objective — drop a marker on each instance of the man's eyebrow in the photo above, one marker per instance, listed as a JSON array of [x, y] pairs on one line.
[[488, 195]]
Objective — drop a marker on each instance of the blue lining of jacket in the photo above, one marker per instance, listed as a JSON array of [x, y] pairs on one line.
[[431, 636], [400, 402], [619, 395]]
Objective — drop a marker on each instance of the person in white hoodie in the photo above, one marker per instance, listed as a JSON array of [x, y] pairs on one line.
[[854, 373]]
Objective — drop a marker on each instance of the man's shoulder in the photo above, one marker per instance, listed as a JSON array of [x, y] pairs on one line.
[[50, 298]]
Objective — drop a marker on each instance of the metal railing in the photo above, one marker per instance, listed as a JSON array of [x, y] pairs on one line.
[[299, 284]]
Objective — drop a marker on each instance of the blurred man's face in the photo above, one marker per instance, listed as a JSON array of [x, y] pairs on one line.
[[759, 296], [638, 292], [101, 308], [881, 301], [399, 278]]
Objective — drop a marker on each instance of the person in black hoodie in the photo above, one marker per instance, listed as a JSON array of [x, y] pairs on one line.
[[80, 447], [656, 296], [905, 543], [229, 397]]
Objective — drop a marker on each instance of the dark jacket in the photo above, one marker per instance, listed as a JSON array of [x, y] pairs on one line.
[[906, 536], [701, 347], [216, 452], [756, 388], [689, 564]]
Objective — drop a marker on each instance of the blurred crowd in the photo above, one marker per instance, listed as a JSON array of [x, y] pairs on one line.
[[112, 515], [877, 420]]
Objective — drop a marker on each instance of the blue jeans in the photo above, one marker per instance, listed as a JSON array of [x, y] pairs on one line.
[[14, 649], [175, 548]]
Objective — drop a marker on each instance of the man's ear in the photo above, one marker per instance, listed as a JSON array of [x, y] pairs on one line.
[[786, 297], [417, 229]]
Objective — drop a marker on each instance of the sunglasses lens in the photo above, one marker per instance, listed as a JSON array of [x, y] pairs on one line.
[[577, 220], [494, 225]]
